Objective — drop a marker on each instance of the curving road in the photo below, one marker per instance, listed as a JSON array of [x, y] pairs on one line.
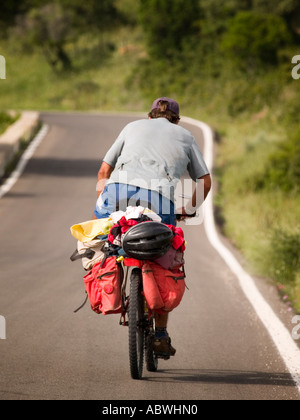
[[223, 350]]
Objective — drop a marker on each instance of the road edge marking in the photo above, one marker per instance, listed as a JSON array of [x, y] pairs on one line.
[[288, 349], [26, 156]]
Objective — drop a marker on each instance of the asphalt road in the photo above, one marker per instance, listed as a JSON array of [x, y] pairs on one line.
[[223, 350]]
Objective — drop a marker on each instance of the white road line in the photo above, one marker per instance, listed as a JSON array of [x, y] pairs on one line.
[[10, 182], [281, 337]]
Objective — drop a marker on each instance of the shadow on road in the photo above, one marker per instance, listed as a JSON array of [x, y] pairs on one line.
[[64, 167], [223, 377]]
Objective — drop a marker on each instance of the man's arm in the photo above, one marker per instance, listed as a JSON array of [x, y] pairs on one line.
[[206, 186], [103, 175], [201, 191]]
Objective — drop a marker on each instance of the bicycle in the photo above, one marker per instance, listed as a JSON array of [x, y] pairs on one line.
[[140, 319], [141, 326], [146, 242]]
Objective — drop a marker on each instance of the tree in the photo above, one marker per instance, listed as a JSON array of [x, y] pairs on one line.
[[50, 28], [97, 15], [9, 10], [255, 38], [288, 9], [278, 7], [51, 25], [167, 24], [215, 14]]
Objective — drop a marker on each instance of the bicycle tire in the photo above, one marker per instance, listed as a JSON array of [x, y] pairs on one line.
[[151, 359], [135, 325]]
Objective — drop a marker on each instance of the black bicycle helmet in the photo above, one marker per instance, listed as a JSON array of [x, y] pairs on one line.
[[147, 240]]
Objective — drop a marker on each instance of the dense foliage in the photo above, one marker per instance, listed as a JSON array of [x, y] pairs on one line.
[[167, 25], [51, 25]]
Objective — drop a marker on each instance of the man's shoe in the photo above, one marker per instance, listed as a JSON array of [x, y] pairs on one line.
[[162, 348]]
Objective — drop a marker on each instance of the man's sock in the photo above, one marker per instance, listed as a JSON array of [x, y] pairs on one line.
[[160, 332]]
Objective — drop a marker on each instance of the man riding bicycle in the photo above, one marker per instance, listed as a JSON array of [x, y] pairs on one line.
[[143, 167]]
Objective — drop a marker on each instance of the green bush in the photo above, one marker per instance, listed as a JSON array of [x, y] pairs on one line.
[[255, 38], [283, 167], [167, 23], [285, 256], [6, 120]]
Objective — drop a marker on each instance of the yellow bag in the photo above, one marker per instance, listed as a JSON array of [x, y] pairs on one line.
[[87, 231]]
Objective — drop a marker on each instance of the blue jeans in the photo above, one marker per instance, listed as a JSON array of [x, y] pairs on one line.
[[119, 196]]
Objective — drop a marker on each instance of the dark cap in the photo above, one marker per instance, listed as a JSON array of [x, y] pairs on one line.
[[172, 105]]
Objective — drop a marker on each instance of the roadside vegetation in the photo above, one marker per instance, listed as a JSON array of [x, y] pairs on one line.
[[227, 63], [6, 119]]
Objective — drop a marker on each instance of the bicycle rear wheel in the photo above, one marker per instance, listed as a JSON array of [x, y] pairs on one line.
[[135, 325], [150, 358]]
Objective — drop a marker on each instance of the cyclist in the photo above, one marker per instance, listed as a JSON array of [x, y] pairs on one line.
[[143, 166]]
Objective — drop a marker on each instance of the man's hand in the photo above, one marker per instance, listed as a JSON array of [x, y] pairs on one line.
[[202, 189], [184, 214], [103, 175]]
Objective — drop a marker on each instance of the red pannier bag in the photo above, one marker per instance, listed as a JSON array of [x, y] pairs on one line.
[[103, 286], [163, 289]]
